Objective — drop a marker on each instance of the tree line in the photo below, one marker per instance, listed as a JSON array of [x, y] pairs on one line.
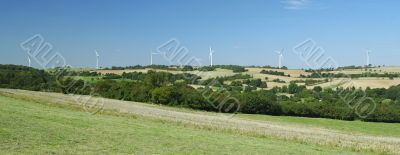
[[271, 72], [163, 88], [342, 75]]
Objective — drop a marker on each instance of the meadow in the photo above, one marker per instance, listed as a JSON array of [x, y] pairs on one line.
[[35, 128], [42, 122]]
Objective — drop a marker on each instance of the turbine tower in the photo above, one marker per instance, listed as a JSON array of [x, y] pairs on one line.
[[280, 58], [151, 56], [211, 56], [97, 59], [368, 57]]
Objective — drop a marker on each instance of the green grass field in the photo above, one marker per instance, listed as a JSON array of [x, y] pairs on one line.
[[32, 128], [356, 127]]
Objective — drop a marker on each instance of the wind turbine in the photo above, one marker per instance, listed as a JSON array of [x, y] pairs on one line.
[[151, 56], [97, 59], [29, 61], [211, 56], [280, 57], [368, 57]]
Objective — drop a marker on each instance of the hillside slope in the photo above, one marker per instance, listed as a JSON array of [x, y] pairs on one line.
[[32, 128], [248, 134]]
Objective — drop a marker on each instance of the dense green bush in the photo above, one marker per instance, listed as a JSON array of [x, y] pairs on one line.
[[260, 102], [187, 68], [21, 77], [343, 75], [112, 76], [271, 72], [206, 68], [255, 83], [163, 67], [234, 68]]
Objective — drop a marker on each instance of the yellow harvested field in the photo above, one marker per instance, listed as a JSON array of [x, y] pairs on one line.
[[212, 74], [373, 83], [255, 72], [390, 69], [275, 84], [291, 72], [381, 70], [360, 83], [333, 83]]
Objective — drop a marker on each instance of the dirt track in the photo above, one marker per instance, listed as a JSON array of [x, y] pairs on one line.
[[223, 122]]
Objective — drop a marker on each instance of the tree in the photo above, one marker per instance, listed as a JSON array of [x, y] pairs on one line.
[[317, 89], [249, 89], [284, 89], [187, 68], [263, 102], [393, 92], [258, 83], [236, 83], [164, 95], [255, 82], [102, 87], [157, 79], [293, 88]]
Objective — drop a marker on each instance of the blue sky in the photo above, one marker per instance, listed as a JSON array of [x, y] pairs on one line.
[[241, 32]]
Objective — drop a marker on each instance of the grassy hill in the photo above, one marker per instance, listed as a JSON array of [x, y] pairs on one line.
[[32, 128], [44, 123]]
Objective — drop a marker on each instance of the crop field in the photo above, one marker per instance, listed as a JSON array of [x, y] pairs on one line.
[[374, 83], [359, 83], [292, 72], [294, 75], [381, 70], [43, 123]]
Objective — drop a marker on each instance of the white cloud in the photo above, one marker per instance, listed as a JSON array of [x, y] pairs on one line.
[[296, 4]]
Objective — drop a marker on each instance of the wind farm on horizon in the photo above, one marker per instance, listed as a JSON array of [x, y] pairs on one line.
[[211, 59]]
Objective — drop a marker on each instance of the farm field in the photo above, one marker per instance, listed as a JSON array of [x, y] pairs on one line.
[[294, 75], [381, 70], [359, 83], [55, 123]]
